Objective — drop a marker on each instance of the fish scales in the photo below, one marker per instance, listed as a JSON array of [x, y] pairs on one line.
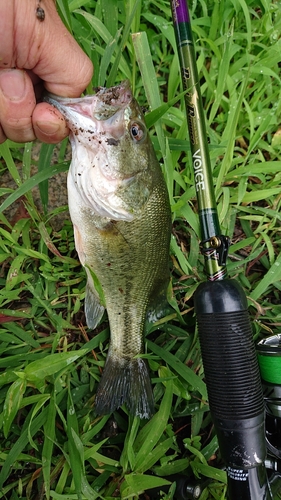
[[122, 226]]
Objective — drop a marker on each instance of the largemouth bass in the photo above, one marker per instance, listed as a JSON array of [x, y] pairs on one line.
[[120, 211]]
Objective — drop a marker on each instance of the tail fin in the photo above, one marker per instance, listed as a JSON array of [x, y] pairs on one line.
[[125, 381]]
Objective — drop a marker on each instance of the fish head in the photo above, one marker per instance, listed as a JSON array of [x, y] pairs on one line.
[[112, 153]]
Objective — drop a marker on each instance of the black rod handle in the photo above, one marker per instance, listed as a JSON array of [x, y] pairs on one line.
[[233, 384]]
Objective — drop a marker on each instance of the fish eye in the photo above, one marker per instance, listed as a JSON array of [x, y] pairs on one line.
[[138, 131]]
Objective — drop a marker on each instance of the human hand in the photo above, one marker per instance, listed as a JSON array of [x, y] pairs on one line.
[[36, 54]]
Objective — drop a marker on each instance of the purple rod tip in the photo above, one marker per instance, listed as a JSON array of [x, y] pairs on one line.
[[180, 11]]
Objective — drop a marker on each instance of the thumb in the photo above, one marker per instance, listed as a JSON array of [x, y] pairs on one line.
[[17, 101]]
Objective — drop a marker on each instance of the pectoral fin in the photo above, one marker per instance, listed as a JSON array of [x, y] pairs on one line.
[[93, 308], [94, 300]]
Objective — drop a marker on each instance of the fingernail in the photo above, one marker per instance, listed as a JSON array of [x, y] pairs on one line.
[[48, 128], [13, 84]]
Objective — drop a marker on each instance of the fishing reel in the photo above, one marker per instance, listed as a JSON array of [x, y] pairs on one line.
[[269, 359]]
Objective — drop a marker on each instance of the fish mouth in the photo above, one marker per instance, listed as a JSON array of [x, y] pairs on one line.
[[102, 105]]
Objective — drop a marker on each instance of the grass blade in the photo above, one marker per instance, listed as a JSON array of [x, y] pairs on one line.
[[12, 403], [33, 181], [154, 429], [19, 446], [44, 162], [135, 484], [149, 79], [272, 276], [184, 371]]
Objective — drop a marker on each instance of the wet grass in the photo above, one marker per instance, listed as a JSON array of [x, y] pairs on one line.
[[52, 443]]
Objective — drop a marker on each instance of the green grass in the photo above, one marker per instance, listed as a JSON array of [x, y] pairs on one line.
[[52, 443]]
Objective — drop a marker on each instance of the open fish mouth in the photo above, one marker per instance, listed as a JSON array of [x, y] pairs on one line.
[[101, 106]]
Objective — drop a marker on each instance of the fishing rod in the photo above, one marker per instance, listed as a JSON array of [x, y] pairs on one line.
[[228, 351]]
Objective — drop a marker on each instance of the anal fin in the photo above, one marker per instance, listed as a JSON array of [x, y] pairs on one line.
[[158, 305]]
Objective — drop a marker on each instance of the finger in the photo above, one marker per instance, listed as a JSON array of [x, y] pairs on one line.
[[48, 124], [17, 102], [53, 53], [70, 70]]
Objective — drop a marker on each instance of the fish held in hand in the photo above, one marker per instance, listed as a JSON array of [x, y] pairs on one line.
[[120, 211]]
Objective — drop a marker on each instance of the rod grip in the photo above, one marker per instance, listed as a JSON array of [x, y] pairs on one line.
[[231, 372]]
